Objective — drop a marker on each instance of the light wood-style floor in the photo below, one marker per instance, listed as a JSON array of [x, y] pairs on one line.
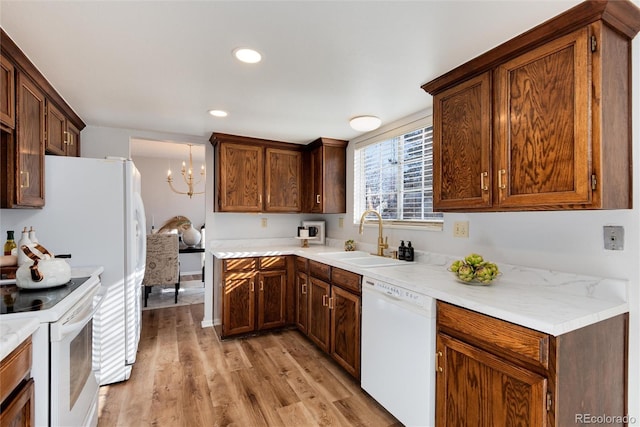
[[185, 376]]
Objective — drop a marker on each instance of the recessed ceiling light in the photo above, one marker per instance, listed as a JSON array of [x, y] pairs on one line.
[[249, 56], [218, 113], [365, 123]]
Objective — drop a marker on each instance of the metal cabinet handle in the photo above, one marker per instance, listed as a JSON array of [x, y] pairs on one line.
[[501, 184], [324, 300], [331, 303], [438, 356], [261, 286], [483, 184], [24, 179], [66, 137], [317, 199], [303, 289], [252, 286]]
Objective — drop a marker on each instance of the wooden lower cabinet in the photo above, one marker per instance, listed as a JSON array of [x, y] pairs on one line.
[[334, 314], [17, 388], [319, 317], [494, 373], [345, 329], [254, 294], [302, 301]]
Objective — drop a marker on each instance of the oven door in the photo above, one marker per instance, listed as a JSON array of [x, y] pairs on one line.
[[74, 388]]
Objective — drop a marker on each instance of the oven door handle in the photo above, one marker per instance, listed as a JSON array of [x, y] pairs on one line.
[[59, 331]]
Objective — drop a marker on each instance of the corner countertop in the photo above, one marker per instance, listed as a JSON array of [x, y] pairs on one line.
[[548, 301], [14, 332]]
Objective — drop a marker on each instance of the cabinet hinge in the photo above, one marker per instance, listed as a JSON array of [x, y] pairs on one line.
[[594, 44], [549, 401], [594, 181]]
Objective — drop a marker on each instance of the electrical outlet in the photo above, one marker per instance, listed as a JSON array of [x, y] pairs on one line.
[[263, 222], [613, 237], [461, 229], [341, 222]]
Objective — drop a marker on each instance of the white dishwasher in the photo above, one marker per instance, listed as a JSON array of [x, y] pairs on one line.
[[398, 351]]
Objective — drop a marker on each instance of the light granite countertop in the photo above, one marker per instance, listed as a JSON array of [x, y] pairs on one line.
[[14, 332], [548, 301]]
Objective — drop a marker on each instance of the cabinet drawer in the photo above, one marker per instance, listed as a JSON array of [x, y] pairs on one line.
[[14, 368], [273, 262], [237, 264], [301, 264], [494, 334], [320, 270], [346, 279]]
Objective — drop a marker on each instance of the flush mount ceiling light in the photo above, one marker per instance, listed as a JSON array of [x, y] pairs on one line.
[[249, 56], [218, 113], [365, 123]]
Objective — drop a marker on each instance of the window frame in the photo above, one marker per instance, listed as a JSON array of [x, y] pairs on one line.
[[410, 125]]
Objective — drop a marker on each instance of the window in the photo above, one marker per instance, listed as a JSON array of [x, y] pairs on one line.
[[395, 177]]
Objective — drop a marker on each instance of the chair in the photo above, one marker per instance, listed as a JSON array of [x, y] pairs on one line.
[[163, 264]]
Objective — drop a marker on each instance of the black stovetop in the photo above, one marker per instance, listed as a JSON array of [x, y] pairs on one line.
[[18, 300]]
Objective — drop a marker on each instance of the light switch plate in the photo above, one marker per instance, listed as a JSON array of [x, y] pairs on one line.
[[613, 237]]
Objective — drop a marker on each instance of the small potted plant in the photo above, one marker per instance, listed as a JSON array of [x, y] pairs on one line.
[[350, 245]]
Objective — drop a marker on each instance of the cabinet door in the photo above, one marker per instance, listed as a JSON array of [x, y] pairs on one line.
[[345, 329], [316, 179], [238, 304], [56, 136], [477, 389], [7, 93], [302, 301], [30, 144], [462, 145], [272, 293], [73, 140], [20, 410], [319, 320], [283, 180], [543, 125], [241, 178]]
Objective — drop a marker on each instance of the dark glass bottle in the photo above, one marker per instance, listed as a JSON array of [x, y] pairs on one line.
[[408, 252], [401, 250]]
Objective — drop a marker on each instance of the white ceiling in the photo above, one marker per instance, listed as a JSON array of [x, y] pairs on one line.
[[160, 65]]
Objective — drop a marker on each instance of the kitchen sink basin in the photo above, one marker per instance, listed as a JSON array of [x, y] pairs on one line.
[[345, 254], [373, 261], [361, 258]]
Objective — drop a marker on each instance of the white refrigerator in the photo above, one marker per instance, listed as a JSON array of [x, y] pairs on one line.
[[93, 211]]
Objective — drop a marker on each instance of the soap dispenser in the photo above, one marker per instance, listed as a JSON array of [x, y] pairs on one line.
[[408, 252], [22, 257], [401, 250]]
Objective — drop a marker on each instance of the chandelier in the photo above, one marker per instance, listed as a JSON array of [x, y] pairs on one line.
[[187, 176]]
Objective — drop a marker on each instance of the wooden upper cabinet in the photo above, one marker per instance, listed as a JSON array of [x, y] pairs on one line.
[[62, 137], [240, 178], [7, 93], [256, 175], [462, 145], [56, 125], [326, 176], [283, 180], [30, 129], [542, 121], [542, 125]]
